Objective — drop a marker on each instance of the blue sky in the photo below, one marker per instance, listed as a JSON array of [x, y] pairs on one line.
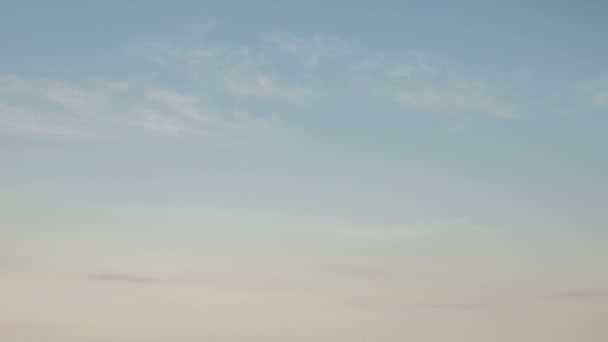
[[275, 171]]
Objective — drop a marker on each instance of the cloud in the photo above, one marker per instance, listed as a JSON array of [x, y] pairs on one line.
[[595, 92], [312, 51], [98, 108], [435, 87], [238, 72], [25, 120], [475, 305], [376, 233], [579, 294], [58, 92], [118, 277], [394, 231], [215, 88], [44, 106], [186, 106], [394, 302], [297, 70]]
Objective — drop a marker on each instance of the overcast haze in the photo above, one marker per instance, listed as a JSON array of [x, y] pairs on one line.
[[313, 171]]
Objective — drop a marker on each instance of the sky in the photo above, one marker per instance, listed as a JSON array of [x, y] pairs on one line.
[[324, 171]]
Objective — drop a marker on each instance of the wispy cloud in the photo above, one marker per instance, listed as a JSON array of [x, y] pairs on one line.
[[214, 87], [301, 69], [596, 91], [395, 302], [119, 277], [493, 304], [45, 106], [433, 86], [25, 120], [393, 231], [187, 106], [95, 107], [313, 51], [574, 295], [238, 72]]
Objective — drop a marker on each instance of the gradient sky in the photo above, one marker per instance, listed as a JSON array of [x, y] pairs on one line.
[[272, 171]]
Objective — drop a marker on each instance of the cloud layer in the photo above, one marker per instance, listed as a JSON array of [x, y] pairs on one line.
[[118, 277], [210, 87]]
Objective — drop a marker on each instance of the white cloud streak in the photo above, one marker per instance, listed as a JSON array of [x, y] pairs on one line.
[[434, 87], [215, 87], [395, 231], [233, 71], [312, 51], [96, 107], [596, 92]]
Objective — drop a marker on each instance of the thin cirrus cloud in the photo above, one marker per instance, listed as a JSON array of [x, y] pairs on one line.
[[577, 295], [459, 225], [290, 68], [312, 51], [119, 277], [432, 87], [234, 88], [96, 107], [595, 92], [237, 72]]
